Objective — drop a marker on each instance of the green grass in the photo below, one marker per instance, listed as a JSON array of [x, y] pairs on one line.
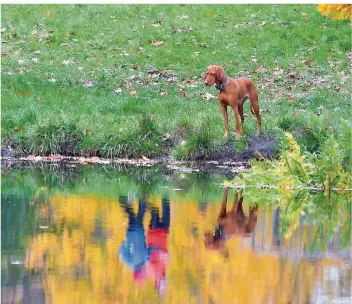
[[43, 117]]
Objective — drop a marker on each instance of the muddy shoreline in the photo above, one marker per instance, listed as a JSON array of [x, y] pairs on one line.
[[225, 159], [229, 167]]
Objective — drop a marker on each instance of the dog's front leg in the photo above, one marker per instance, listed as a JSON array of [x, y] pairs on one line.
[[226, 119], [237, 119]]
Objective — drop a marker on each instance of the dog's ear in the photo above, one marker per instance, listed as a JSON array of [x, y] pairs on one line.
[[220, 73]]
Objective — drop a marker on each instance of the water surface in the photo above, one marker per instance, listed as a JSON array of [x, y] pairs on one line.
[[118, 235]]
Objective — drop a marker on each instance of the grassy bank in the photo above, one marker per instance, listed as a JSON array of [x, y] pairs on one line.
[[126, 80]]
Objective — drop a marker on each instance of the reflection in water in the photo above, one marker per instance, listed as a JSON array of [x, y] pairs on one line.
[[146, 256], [110, 238], [231, 224]]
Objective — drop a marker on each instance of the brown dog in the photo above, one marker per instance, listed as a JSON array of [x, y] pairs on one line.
[[231, 224], [233, 93]]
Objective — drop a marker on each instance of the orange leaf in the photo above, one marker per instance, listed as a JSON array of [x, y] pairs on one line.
[[26, 92], [309, 61]]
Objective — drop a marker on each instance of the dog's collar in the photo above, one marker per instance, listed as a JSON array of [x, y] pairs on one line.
[[219, 233], [221, 86]]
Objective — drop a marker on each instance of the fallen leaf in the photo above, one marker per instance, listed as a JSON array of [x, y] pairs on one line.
[[145, 158], [72, 33], [88, 84], [132, 92], [158, 43], [67, 62], [207, 96], [309, 61], [26, 92], [183, 92], [49, 14], [261, 69], [163, 93], [208, 14]]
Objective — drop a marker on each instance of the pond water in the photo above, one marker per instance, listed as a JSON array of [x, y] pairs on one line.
[[129, 235]]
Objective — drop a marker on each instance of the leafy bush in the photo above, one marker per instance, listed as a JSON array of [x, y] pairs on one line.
[[294, 169]]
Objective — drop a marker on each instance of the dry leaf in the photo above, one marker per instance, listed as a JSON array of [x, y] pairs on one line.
[[158, 43], [183, 92], [261, 69], [145, 158], [49, 14], [208, 14], [309, 61], [132, 92], [26, 92]]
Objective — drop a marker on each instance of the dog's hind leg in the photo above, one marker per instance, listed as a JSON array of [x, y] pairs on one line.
[[253, 96], [240, 111]]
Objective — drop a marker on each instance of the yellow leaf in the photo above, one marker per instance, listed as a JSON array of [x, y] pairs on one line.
[[49, 14]]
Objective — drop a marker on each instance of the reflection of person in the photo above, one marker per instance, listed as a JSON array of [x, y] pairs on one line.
[[232, 223], [150, 255], [133, 251]]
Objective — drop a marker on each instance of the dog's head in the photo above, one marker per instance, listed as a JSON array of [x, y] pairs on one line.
[[214, 74]]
